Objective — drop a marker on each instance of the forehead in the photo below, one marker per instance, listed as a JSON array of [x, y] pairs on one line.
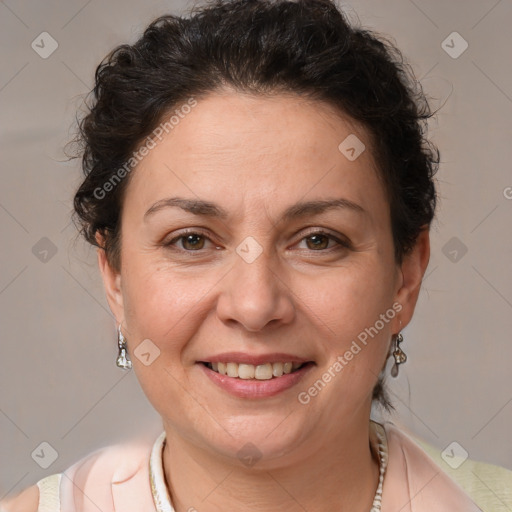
[[258, 150]]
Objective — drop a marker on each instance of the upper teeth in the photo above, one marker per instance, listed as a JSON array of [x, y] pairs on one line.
[[249, 371]]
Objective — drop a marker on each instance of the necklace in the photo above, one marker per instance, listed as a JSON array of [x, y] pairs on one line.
[[382, 447], [161, 494]]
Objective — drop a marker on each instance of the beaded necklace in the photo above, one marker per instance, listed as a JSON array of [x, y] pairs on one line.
[[161, 495]]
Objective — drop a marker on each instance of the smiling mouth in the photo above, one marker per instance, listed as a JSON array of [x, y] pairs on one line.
[[265, 371]]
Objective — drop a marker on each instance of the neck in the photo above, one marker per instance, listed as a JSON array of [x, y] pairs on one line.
[[341, 473]]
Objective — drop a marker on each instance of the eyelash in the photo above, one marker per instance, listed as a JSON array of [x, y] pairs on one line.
[[341, 243]]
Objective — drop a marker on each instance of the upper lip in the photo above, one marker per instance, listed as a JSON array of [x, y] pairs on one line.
[[243, 358]]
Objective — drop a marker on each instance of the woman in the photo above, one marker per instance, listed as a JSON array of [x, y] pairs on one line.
[[260, 190]]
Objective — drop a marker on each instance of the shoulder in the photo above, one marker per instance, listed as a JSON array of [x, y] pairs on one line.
[[25, 501], [101, 475], [414, 481], [489, 485], [99, 478]]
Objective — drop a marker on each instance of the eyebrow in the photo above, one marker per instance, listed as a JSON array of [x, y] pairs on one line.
[[298, 210]]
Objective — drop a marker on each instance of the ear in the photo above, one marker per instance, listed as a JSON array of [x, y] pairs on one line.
[[412, 270], [111, 281]]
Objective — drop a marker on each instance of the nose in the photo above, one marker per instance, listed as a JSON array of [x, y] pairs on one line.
[[255, 294]]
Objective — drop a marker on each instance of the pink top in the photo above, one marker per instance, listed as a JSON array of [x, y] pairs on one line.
[[120, 478]]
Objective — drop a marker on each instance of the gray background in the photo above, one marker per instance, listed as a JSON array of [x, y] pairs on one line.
[[58, 380]]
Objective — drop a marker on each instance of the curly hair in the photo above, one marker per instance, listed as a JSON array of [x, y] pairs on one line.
[[262, 47]]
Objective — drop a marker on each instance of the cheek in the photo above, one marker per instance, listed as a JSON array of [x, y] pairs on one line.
[[349, 310], [358, 314], [166, 309], [163, 305], [352, 299]]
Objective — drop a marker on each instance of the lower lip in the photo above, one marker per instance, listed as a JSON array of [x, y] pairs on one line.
[[252, 388]]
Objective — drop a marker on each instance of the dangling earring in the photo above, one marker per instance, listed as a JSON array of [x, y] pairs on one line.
[[398, 354], [123, 361]]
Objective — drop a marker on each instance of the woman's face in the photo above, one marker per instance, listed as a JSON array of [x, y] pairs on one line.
[[229, 257]]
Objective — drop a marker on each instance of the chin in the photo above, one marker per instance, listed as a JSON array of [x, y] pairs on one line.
[[260, 442]]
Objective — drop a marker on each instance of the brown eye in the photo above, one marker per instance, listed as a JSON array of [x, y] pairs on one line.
[[319, 241], [192, 241]]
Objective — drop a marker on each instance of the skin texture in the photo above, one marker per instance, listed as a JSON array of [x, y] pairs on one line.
[[255, 157]]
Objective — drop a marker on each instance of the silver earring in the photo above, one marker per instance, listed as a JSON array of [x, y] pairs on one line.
[[398, 354], [123, 361]]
